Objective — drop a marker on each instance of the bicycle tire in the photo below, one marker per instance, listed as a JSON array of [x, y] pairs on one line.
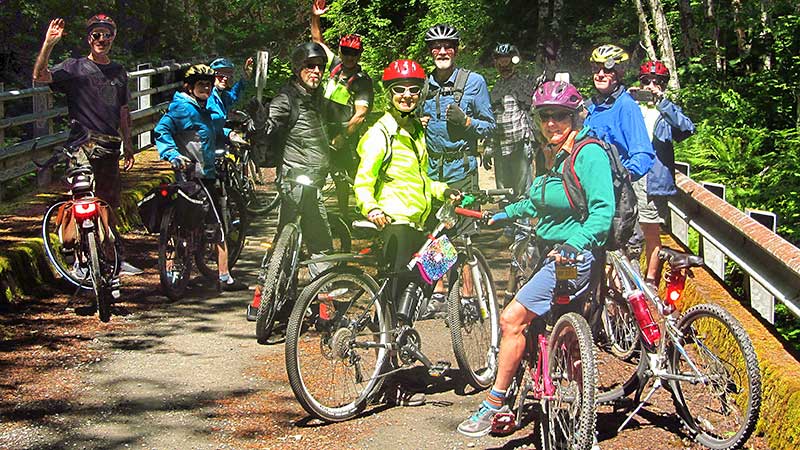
[[619, 324], [720, 348], [331, 376], [340, 232], [567, 426], [239, 221], [278, 282], [99, 286], [173, 282], [52, 246], [475, 325]]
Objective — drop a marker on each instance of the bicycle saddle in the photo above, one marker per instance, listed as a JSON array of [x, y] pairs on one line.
[[679, 260]]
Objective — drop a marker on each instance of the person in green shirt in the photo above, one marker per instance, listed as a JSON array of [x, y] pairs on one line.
[[558, 109], [392, 186]]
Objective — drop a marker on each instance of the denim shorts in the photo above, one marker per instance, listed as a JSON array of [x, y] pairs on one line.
[[537, 294]]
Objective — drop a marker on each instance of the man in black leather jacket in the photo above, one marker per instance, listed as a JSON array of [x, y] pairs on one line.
[[295, 116]]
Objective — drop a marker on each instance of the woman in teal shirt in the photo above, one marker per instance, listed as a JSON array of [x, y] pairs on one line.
[[558, 107]]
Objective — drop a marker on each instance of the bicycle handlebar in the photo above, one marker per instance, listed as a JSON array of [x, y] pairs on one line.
[[469, 213]]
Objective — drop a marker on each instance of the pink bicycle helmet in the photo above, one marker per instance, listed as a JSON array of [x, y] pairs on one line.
[[557, 93]]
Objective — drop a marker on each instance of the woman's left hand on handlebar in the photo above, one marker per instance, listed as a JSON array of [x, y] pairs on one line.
[[377, 217], [498, 217]]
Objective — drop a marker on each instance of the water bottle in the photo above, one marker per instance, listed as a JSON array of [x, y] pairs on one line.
[[409, 301], [650, 331]]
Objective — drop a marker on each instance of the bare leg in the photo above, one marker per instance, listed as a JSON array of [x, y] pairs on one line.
[[513, 321], [652, 240], [222, 258]]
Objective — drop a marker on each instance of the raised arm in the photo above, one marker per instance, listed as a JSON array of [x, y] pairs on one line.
[[41, 71], [317, 10]]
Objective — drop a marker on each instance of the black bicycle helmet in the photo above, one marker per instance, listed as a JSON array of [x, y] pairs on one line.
[[304, 52], [442, 32], [507, 50]]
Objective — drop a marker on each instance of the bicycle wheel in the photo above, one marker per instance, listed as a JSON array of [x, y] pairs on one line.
[[718, 394], [279, 280], [570, 413], [174, 257], [474, 321], [619, 324], [61, 261], [238, 221], [337, 344], [99, 273]]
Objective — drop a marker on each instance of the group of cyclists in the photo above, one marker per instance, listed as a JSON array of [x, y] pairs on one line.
[[422, 151]]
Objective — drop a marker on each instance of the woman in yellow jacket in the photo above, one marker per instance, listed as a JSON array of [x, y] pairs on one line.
[[392, 186]]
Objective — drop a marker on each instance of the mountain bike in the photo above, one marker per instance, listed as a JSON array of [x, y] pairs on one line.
[[191, 227], [346, 333], [278, 277], [558, 370], [703, 356], [80, 236]]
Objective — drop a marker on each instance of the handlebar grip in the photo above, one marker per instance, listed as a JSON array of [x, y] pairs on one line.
[[505, 191], [469, 213]]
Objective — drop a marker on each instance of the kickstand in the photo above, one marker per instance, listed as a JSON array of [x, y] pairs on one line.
[[656, 385]]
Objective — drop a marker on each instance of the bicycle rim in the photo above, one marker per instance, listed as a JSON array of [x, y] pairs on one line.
[[174, 257], [721, 403], [474, 323], [570, 421], [332, 356], [52, 248], [280, 278], [99, 283]]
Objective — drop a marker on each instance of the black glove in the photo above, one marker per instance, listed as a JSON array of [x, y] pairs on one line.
[[568, 252], [455, 115], [452, 194]]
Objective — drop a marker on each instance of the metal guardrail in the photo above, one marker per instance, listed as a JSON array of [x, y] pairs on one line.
[[16, 160], [771, 263]]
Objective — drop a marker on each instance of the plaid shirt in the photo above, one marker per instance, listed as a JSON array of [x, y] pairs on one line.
[[511, 101]]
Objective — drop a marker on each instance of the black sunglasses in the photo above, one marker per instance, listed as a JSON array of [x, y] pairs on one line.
[[556, 116], [347, 51], [647, 80], [314, 65], [97, 35]]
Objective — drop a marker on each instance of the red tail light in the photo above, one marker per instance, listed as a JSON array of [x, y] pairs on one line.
[[85, 210], [256, 298], [675, 284]]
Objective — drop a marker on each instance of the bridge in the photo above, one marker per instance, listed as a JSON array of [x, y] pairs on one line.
[[701, 220]]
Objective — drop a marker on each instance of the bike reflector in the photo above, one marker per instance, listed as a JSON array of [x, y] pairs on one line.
[[85, 210], [437, 259]]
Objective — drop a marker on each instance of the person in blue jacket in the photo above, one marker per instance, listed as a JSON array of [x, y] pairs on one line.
[[189, 133], [666, 124], [614, 115], [224, 94]]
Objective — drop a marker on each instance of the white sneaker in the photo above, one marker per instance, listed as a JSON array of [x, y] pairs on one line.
[[128, 269]]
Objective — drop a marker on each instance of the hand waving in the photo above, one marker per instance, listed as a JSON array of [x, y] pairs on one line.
[[319, 8], [54, 32]]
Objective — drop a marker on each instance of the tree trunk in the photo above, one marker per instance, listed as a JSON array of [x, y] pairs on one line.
[[710, 7], [741, 35], [766, 36], [691, 45], [644, 30], [665, 42]]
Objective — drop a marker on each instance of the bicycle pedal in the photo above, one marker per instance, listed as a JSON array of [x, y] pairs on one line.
[[439, 368], [504, 423]]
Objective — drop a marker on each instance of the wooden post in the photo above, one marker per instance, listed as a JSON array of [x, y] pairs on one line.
[[41, 103], [2, 136], [262, 69], [143, 102]]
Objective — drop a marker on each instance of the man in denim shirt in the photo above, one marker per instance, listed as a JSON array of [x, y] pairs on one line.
[[453, 130]]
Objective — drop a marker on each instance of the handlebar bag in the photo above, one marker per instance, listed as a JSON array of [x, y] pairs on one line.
[[437, 259]]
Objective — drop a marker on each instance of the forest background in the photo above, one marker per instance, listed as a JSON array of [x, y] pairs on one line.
[[736, 63]]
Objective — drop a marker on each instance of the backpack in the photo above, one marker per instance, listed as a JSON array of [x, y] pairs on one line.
[[626, 211], [267, 142]]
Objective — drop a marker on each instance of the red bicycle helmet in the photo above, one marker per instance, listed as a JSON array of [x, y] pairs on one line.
[[403, 70], [654, 68], [557, 93], [100, 20], [352, 41]]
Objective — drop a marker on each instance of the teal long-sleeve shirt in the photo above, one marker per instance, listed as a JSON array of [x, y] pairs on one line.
[[558, 222]]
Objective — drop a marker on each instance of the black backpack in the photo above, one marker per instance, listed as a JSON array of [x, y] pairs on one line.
[[267, 143], [626, 211]]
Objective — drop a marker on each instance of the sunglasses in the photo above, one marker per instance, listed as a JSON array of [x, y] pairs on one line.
[[646, 81], [222, 76], [347, 51], [411, 90], [314, 65], [555, 116], [97, 35], [601, 68], [436, 46]]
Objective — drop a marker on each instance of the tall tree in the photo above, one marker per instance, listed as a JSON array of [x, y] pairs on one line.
[[644, 30], [691, 44], [665, 41]]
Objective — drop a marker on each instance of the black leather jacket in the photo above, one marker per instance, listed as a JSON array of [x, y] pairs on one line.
[[306, 142]]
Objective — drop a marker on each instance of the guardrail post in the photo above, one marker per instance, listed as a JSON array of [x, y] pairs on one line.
[[143, 83], [760, 298], [41, 103], [713, 256], [678, 226]]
